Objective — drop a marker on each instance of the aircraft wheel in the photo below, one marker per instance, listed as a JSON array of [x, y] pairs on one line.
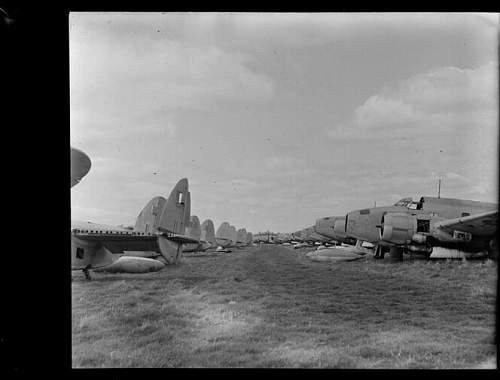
[[86, 273], [379, 252]]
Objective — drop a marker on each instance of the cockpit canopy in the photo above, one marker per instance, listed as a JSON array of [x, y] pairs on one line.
[[410, 204]]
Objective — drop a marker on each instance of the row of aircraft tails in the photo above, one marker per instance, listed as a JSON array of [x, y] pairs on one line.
[[446, 226], [163, 230]]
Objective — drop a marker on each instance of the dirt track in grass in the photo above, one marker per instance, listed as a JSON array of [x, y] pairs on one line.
[[270, 306]]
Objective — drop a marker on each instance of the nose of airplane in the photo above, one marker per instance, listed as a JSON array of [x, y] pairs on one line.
[[319, 225]]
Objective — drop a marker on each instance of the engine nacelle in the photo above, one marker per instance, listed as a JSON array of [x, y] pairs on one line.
[[398, 228], [339, 227]]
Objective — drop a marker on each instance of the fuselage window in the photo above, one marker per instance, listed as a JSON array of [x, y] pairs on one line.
[[365, 211], [465, 214], [79, 253], [423, 225]]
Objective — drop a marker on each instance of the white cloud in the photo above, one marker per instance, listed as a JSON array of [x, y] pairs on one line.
[[134, 84], [440, 101]]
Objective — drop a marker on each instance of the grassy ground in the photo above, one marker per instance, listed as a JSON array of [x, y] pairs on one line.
[[273, 307]]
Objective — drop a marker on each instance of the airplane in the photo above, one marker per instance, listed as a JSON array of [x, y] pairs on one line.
[[96, 246], [193, 230], [417, 227], [333, 227], [249, 238], [309, 235], [207, 237], [226, 235], [241, 237]]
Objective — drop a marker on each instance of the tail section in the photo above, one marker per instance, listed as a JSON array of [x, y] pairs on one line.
[[223, 235], [233, 234], [193, 229], [208, 232], [174, 218], [222, 231], [176, 213], [241, 236], [148, 219]]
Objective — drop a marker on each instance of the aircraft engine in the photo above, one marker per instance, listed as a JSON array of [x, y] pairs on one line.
[[398, 228], [339, 227]]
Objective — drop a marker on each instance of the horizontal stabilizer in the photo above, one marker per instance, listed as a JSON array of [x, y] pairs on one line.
[[183, 239]]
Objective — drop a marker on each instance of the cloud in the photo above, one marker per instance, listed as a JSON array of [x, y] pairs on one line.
[[135, 83], [440, 101]]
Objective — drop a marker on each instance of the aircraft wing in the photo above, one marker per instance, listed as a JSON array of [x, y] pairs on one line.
[[120, 241], [483, 224]]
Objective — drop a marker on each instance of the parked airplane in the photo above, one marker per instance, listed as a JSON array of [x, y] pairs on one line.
[[410, 226], [223, 235], [96, 245], [193, 230], [332, 227], [308, 235], [241, 237], [207, 238], [233, 234], [249, 238]]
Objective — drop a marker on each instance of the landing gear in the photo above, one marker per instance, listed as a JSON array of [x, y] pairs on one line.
[[86, 273], [379, 252], [396, 253]]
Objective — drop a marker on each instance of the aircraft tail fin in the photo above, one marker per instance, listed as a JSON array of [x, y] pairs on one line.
[[173, 220], [208, 232], [148, 219], [176, 213], [193, 228]]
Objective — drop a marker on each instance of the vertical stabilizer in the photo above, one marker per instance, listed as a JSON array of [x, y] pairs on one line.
[[208, 232], [232, 234], [193, 229], [222, 231], [148, 219], [173, 219], [177, 209]]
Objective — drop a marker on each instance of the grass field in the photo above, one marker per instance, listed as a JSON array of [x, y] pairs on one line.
[[273, 307]]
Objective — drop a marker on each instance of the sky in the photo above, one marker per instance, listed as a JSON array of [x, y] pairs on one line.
[[279, 119]]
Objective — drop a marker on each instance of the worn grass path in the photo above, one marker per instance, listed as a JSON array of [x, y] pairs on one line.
[[270, 306]]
